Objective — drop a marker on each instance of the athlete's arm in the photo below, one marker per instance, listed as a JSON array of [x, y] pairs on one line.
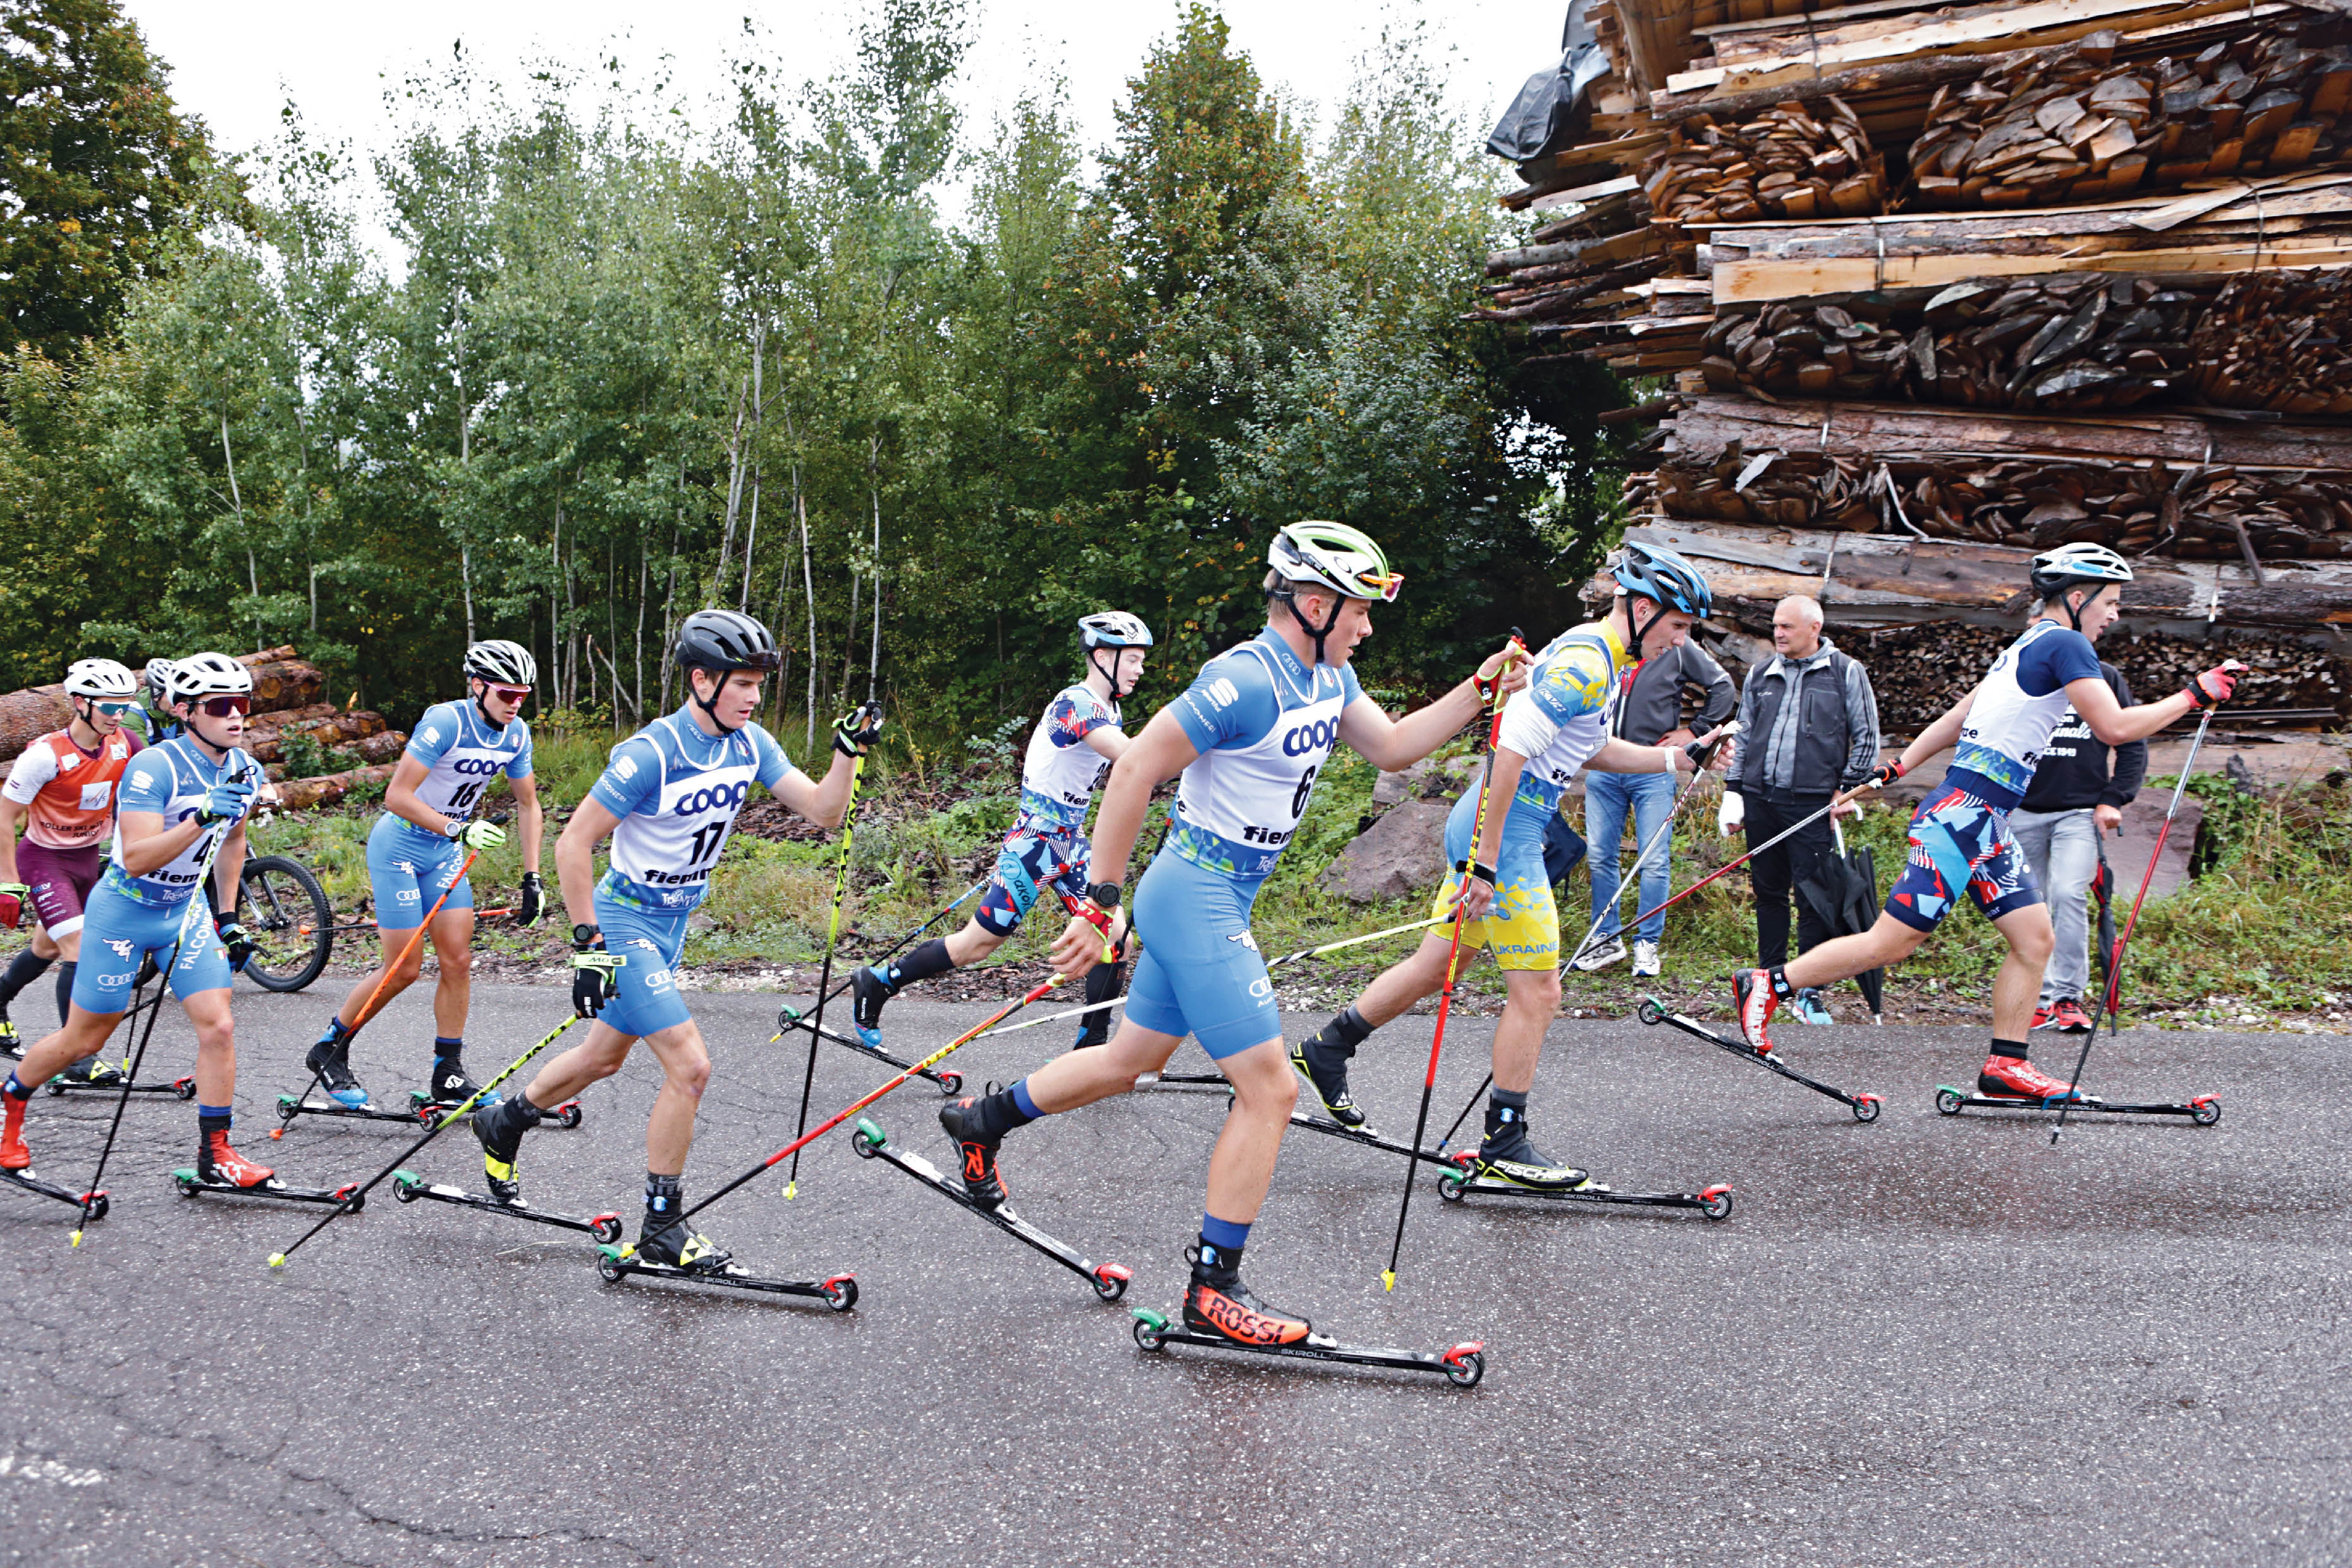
[[530, 821], [1157, 755], [823, 804], [575, 856], [149, 846], [1500, 785], [11, 810], [2095, 702], [1622, 756], [1110, 741], [1936, 737], [1392, 745], [400, 796], [229, 866]]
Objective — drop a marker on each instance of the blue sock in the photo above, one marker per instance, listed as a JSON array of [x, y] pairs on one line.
[[446, 1050], [1224, 1233], [213, 1112], [16, 1088], [1021, 1097]]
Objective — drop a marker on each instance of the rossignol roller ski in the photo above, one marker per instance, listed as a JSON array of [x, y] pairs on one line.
[[192, 1181], [1463, 1364], [616, 1261], [2204, 1110], [422, 1112], [427, 1109], [791, 1019], [1109, 1279], [408, 1186], [1865, 1107], [182, 1087], [93, 1202]]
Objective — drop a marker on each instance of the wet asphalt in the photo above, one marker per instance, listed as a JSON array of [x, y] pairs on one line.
[[1923, 1340]]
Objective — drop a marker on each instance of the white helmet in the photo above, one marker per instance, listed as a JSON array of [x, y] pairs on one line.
[[2091, 566], [1333, 555], [159, 680], [501, 663], [1113, 628], [100, 678], [202, 675]]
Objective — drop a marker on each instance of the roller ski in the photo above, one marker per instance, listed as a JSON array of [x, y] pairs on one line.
[[674, 1253], [221, 1169], [408, 1187], [94, 1077], [1865, 1107], [24, 1181], [338, 1090], [2014, 1083], [428, 1109], [790, 1018], [1109, 1279]]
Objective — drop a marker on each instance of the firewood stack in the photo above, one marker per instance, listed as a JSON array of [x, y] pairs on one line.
[[2067, 346], [2276, 340], [1786, 163], [1824, 351]]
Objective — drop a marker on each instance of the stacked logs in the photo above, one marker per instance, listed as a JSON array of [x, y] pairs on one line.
[[2085, 127], [282, 679], [1824, 350], [2276, 340], [1794, 161], [1794, 489], [2073, 344]]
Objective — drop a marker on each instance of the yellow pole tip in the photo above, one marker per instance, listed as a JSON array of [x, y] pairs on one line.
[[277, 1260], [1388, 1278], [792, 1189], [75, 1239]]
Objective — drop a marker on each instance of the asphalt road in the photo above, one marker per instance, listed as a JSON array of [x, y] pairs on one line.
[[1924, 1341]]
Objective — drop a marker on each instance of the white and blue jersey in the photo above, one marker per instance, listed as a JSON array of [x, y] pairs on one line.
[[171, 781], [131, 916], [676, 792], [2018, 706], [1263, 724], [1060, 773], [1561, 719], [461, 753]]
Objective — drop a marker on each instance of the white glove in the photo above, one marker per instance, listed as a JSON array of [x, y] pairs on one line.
[[1731, 813]]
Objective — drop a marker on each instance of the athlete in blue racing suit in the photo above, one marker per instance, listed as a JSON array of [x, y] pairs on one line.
[[1960, 834], [668, 800], [1249, 737]]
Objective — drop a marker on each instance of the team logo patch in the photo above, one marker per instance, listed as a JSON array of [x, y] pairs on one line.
[[1248, 939], [122, 949], [68, 764], [645, 942], [432, 735], [1223, 692], [625, 767]]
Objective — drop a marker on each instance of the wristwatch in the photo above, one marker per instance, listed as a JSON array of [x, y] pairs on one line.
[[585, 937], [1105, 895]]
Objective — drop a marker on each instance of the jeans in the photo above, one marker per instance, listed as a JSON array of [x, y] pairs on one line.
[[2062, 849], [1775, 872], [1650, 798]]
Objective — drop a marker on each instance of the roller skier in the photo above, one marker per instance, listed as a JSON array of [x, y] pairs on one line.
[[1070, 754], [417, 853], [62, 787], [1960, 836], [668, 800], [1556, 726], [1249, 736], [182, 804]]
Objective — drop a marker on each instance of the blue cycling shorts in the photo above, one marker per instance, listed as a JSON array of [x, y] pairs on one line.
[[646, 1000], [1522, 927], [117, 932], [409, 870], [1025, 866], [1961, 840], [1201, 973]]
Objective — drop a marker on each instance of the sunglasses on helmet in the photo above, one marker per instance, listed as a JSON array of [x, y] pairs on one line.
[[222, 706], [1381, 585]]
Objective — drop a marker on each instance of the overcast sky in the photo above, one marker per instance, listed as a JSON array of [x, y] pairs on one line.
[[234, 62]]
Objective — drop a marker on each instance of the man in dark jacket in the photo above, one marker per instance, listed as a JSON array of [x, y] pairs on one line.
[[1808, 728], [2079, 791], [1646, 710]]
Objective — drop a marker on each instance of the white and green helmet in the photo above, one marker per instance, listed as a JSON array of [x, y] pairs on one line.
[[1333, 555]]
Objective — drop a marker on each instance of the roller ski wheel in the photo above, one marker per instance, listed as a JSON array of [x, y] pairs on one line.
[[1867, 1108], [1109, 1280], [24, 1181], [1864, 1107], [616, 1261], [348, 1196], [950, 1084], [1462, 1365], [2202, 1111], [408, 1187], [428, 1111]]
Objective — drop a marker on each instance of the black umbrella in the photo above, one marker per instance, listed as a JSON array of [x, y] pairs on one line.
[[1842, 889], [2103, 886]]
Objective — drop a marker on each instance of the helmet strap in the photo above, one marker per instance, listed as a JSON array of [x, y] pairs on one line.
[[1289, 597], [718, 684], [480, 690], [217, 750], [1110, 676]]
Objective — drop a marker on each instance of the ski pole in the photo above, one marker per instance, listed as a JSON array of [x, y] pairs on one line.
[[2115, 965], [202, 895], [1794, 828], [1358, 940], [278, 1260], [825, 971], [811, 1136], [367, 1009], [792, 1018], [1452, 955]]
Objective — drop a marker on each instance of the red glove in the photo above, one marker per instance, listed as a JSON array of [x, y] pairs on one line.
[[1885, 774], [12, 903], [2214, 686]]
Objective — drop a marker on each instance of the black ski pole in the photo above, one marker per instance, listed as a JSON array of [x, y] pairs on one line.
[[794, 1017], [278, 1260], [825, 971], [2115, 968], [1704, 758]]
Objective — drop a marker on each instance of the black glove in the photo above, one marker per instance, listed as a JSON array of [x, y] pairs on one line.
[[856, 730], [1884, 774], [234, 938], [534, 895], [593, 982]]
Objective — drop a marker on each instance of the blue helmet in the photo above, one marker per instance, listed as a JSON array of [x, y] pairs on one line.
[[1664, 577]]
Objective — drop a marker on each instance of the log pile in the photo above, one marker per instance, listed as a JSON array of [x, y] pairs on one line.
[[1785, 162], [1823, 352], [302, 794], [2276, 340], [282, 679]]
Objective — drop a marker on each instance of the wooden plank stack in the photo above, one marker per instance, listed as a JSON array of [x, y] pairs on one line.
[[1785, 162]]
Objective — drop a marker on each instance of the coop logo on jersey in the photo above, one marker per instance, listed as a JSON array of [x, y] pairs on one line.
[[1223, 692], [1314, 737], [711, 798], [475, 765]]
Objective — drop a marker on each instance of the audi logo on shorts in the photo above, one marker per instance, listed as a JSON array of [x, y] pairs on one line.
[[1314, 737], [711, 798]]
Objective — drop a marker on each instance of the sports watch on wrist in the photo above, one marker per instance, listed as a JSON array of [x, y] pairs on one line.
[[585, 937], [1105, 895]]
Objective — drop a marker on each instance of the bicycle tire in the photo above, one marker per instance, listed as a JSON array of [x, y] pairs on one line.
[[276, 899]]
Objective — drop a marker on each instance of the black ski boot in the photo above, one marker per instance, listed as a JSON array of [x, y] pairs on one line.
[[92, 1071], [12, 1044], [867, 991], [1217, 1302], [668, 1242], [452, 1085], [331, 1065], [964, 1122], [1322, 1058], [500, 1131], [1508, 1156]]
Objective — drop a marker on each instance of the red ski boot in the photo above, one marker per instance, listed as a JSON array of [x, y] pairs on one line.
[[1217, 1302], [1758, 994], [14, 1156], [218, 1164], [2014, 1077]]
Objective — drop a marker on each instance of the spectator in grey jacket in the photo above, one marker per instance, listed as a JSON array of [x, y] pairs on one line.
[[1647, 711], [1808, 728]]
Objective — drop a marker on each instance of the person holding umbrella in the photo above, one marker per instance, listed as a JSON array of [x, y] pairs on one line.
[[2080, 788], [1812, 721]]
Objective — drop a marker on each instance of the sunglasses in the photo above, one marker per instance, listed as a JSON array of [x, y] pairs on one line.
[[1384, 585], [112, 710], [510, 693], [222, 706]]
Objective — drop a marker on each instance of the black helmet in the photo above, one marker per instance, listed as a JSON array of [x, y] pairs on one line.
[[725, 639]]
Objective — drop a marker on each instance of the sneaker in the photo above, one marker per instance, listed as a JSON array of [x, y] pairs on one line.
[[90, 1070], [1519, 1163], [331, 1066], [499, 1132], [218, 1164], [1645, 960], [867, 991], [1325, 1068], [982, 1183], [690, 1252], [2014, 1077], [1754, 995], [2065, 1015], [14, 1156], [1601, 955], [1807, 1007], [1217, 1302]]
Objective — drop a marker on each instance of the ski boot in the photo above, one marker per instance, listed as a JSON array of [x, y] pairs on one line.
[[1756, 994], [12, 1044], [92, 1072], [1323, 1063], [2014, 1077], [451, 1086], [14, 1156], [500, 1131], [868, 990], [982, 1180], [331, 1065], [1509, 1156], [1808, 1007], [217, 1164], [1217, 1302], [675, 1247]]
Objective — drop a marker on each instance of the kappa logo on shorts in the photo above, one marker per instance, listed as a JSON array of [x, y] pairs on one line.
[[645, 942], [1248, 939], [119, 949]]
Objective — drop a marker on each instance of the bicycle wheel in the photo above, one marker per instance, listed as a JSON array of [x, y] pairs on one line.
[[285, 909]]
